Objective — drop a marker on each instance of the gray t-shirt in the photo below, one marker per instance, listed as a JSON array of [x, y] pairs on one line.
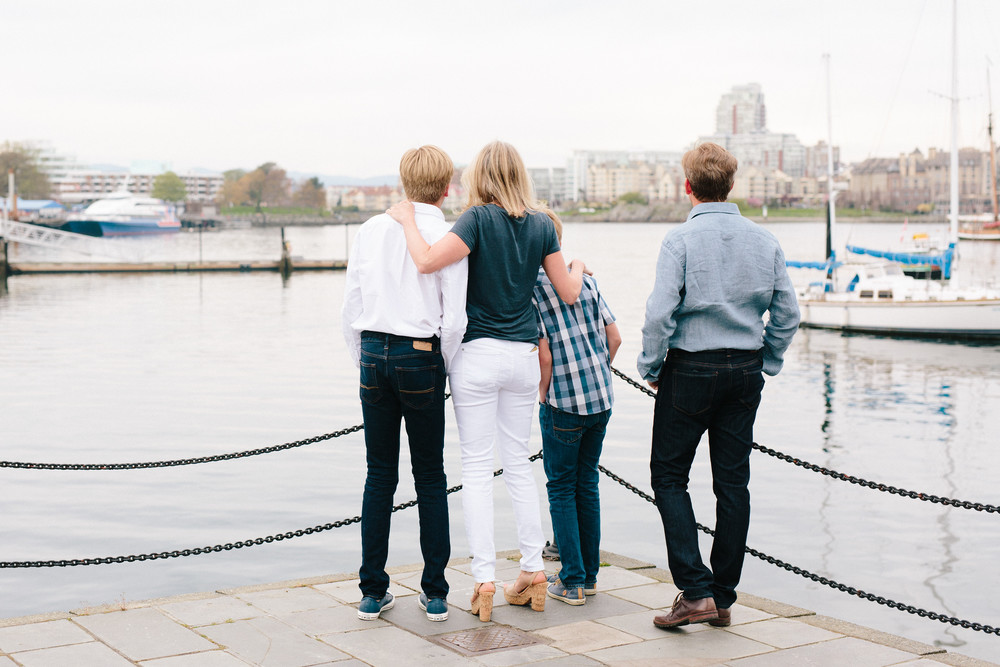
[[504, 256]]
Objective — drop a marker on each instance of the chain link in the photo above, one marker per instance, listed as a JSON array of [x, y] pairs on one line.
[[229, 546], [878, 486], [892, 604]]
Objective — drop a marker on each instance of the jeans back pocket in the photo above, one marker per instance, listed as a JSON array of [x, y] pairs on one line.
[[692, 391], [370, 390], [417, 385]]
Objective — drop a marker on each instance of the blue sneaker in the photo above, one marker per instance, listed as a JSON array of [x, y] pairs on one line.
[[589, 588], [573, 596], [436, 608], [370, 608]]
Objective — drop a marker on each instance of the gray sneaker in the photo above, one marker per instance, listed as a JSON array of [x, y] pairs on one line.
[[436, 608], [370, 607], [588, 588]]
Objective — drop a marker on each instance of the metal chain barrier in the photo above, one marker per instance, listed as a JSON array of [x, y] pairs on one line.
[[878, 486], [180, 462], [229, 546], [857, 592]]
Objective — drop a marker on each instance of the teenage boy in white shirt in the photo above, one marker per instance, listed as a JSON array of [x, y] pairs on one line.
[[402, 330]]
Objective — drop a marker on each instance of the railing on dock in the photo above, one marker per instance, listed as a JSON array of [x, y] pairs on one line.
[[49, 237], [892, 604]]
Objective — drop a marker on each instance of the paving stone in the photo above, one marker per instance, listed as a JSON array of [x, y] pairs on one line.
[[611, 578], [574, 661], [560, 613], [654, 596], [783, 633], [270, 643], [142, 634], [460, 584], [846, 651], [41, 635], [327, 621], [707, 646], [505, 570], [220, 609], [289, 600], [742, 614], [93, 654], [521, 656], [385, 647], [640, 624], [6, 662], [207, 659], [586, 636], [345, 591]]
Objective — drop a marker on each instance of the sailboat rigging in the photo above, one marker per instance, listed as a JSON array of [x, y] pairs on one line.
[[877, 297]]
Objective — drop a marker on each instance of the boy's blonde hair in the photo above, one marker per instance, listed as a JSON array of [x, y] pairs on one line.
[[426, 173], [497, 176], [711, 170], [555, 221]]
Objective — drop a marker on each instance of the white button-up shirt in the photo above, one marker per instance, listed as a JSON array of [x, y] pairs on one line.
[[384, 292]]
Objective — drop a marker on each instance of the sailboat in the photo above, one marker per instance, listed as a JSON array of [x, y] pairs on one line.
[[986, 230], [877, 297]]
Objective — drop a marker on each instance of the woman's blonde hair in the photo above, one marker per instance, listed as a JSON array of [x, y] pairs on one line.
[[497, 176]]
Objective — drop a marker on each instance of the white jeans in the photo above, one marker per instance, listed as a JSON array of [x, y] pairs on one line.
[[494, 386]]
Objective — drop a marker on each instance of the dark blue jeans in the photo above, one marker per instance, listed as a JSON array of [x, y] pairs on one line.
[[400, 382], [571, 447], [716, 391]]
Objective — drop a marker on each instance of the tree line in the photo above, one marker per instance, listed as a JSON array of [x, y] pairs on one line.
[[266, 186]]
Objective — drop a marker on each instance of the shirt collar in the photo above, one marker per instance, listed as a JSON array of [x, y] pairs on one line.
[[428, 209], [714, 207]]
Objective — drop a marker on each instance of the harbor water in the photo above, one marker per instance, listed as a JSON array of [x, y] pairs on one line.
[[102, 368]]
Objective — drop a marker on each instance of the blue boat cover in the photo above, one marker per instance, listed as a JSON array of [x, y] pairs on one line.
[[942, 260]]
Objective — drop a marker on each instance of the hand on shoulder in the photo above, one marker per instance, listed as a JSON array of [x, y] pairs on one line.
[[402, 212]]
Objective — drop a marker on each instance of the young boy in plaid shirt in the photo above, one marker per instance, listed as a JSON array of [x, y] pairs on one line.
[[576, 346]]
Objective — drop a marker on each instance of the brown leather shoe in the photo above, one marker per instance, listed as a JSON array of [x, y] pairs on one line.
[[724, 619], [686, 611]]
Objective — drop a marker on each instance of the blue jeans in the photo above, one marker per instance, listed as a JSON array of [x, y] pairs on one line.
[[400, 382], [716, 391], [571, 447]]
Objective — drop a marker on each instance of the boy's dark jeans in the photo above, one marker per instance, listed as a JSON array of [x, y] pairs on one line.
[[401, 382], [571, 447], [716, 391]]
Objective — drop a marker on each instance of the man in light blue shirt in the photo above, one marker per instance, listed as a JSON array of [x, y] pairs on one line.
[[704, 348]]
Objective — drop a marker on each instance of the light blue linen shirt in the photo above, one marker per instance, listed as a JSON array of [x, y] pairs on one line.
[[716, 276]]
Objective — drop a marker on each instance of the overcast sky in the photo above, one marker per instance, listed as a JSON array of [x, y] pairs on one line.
[[345, 87]]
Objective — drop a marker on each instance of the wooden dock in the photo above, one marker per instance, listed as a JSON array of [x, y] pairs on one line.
[[25, 268]]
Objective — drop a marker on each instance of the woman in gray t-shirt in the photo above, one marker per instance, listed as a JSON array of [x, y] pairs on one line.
[[494, 378]]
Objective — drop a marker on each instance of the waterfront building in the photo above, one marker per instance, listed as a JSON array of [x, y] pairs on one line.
[[550, 184], [372, 197], [916, 184], [578, 186]]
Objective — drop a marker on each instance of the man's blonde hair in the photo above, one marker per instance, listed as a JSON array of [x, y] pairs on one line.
[[426, 173], [497, 176], [711, 170]]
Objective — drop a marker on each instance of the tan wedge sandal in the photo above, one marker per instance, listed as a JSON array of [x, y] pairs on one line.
[[533, 592], [482, 601]]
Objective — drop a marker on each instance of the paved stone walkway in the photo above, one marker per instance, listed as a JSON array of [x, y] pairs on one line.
[[314, 622]]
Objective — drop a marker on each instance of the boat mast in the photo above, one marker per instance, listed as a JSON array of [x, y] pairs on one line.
[[993, 148], [953, 207], [831, 220]]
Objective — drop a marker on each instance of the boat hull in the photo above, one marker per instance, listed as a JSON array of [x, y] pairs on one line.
[[931, 319], [121, 227]]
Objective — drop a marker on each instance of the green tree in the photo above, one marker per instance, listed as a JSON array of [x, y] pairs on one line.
[[632, 198], [30, 182], [310, 194], [267, 184], [168, 186]]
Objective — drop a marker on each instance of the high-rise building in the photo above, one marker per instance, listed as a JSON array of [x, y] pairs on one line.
[[741, 111]]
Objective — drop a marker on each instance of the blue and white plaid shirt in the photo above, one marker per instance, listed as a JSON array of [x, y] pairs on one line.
[[581, 369]]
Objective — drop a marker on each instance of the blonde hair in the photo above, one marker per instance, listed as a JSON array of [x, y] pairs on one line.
[[555, 221], [711, 170], [426, 173], [497, 176]]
